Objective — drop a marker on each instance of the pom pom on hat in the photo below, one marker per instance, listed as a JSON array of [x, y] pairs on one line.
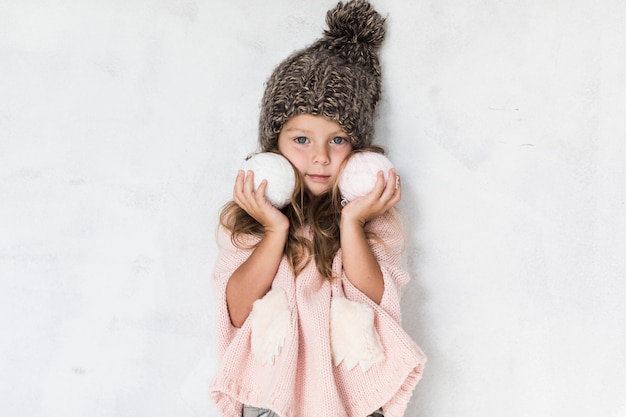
[[279, 173], [357, 30], [360, 172]]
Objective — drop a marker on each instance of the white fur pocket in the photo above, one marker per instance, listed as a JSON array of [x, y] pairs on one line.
[[269, 322], [353, 337]]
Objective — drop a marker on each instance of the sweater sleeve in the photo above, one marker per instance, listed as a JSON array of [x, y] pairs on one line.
[[387, 244], [228, 260], [402, 365]]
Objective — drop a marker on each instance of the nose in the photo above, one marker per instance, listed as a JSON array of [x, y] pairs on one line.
[[321, 156]]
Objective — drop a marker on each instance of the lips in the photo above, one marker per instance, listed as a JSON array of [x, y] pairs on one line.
[[319, 177]]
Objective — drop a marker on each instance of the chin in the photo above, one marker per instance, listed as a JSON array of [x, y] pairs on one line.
[[318, 191]]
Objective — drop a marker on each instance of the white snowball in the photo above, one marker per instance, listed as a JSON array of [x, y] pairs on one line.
[[359, 175], [280, 176]]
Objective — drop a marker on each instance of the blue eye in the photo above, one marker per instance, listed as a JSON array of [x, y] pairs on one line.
[[301, 139], [338, 140]]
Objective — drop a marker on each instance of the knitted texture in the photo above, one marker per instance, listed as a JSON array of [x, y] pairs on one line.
[[337, 77], [302, 380]]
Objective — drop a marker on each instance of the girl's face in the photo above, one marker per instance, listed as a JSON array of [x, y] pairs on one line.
[[316, 146]]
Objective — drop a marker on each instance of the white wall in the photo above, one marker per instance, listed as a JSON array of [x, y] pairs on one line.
[[121, 127]]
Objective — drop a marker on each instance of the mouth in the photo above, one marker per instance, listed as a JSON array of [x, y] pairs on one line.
[[319, 178]]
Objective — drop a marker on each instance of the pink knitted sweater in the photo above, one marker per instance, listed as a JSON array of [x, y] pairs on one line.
[[284, 361]]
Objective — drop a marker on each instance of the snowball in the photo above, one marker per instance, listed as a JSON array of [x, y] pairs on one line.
[[280, 176], [359, 174]]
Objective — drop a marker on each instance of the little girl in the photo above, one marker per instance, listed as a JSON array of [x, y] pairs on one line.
[[309, 295]]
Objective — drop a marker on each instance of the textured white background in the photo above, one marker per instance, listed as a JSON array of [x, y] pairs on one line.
[[122, 124]]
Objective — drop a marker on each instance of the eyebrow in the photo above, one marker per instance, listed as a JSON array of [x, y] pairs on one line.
[[306, 131]]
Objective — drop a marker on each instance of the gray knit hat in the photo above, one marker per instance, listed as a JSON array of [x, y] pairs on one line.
[[337, 77]]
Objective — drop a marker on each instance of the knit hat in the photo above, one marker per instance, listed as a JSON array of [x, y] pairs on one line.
[[337, 77]]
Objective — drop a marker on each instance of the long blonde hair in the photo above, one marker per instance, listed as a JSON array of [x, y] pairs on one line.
[[322, 213]]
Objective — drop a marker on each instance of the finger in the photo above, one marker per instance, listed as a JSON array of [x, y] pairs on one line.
[[238, 187], [394, 187], [259, 194], [248, 185], [390, 187], [398, 193], [379, 186], [239, 180]]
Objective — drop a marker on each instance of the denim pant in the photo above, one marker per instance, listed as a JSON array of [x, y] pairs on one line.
[[257, 412], [261, 412]]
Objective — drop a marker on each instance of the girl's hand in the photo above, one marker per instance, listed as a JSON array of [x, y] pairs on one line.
[[382, 198], [256, 205]]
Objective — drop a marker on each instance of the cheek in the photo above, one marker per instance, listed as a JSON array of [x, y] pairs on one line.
[[280, 146], [342, 155], [294, 157], [284, 150]]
